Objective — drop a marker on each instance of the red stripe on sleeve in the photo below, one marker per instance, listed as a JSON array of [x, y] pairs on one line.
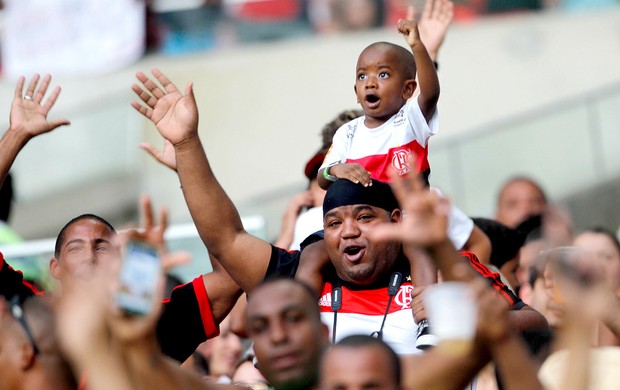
[[494, 277], [211, 330]]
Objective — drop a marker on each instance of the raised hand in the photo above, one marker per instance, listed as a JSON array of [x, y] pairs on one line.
[[409, 29], [167, 156], [175, 115], [426, 220], [28, 114], [153, 233], [434, 23]]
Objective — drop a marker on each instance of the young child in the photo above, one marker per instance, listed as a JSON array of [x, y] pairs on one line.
[[393, 135], [394, 132]]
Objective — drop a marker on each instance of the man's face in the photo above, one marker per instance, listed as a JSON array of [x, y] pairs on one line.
[[359, 368], [87, 244], [517, 201], [356, 258], [288, 336], [602, 249]]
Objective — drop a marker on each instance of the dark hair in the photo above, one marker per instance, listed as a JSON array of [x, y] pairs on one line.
[[360, 341], [61, 236]]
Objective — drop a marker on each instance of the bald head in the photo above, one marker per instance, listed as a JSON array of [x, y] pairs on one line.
[[404, 57], [518, 199]]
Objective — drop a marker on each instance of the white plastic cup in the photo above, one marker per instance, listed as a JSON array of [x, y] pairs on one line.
[[453, 312]]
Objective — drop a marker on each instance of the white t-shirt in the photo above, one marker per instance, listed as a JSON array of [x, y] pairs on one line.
[[401, 142]]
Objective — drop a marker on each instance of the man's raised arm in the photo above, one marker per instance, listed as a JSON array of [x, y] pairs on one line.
[[244, 256]]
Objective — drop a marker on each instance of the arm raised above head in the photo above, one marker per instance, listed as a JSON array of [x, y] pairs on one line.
[[427, 74], [28, 119], [175, 115]]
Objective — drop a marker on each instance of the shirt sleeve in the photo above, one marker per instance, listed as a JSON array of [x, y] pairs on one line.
[[338, 151], [186, 320], [460, 225], [422, 129], [282, 263], [494, 281], [12, 282]]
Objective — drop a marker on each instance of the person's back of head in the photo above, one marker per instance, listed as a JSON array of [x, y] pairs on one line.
[[360, 361]]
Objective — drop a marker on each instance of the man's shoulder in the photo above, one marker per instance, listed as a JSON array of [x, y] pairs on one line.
[[282, 263]]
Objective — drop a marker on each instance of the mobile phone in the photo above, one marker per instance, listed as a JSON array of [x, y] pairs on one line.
[[138, 278]]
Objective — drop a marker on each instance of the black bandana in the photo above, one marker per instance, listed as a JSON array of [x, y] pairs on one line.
[[346, 193]]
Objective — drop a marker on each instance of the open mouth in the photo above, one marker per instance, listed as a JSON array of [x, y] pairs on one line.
[[354, 253], [372, 100]]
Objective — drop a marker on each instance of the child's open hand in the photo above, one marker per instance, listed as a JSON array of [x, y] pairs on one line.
[[353, 172]]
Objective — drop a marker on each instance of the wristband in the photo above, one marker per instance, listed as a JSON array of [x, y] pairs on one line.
[[326, 174]]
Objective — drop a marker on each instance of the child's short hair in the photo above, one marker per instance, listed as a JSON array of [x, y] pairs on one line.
[[405, 58]]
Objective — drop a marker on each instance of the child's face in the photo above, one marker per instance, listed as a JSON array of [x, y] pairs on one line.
[[380, 85]]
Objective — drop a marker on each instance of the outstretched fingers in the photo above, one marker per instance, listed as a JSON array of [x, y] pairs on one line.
[[445, 11], [165, 81], [163, 219], [19, 88], [147, 112], [32, 85], [150, 85], [429, 7], [146, 97], [411, 14], [147, 212], [51, 100], [38, 98]]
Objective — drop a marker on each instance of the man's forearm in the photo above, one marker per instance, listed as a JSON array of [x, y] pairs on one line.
[[217, 219], [439, 371], [446, 258], [11, 144], [515, 364]]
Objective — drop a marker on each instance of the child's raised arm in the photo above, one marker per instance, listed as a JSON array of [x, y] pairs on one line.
[[427, 75]]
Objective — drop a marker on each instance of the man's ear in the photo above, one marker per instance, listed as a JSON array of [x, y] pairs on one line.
[[55, 268], [27, 356], [396, 216], [410, 86]]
